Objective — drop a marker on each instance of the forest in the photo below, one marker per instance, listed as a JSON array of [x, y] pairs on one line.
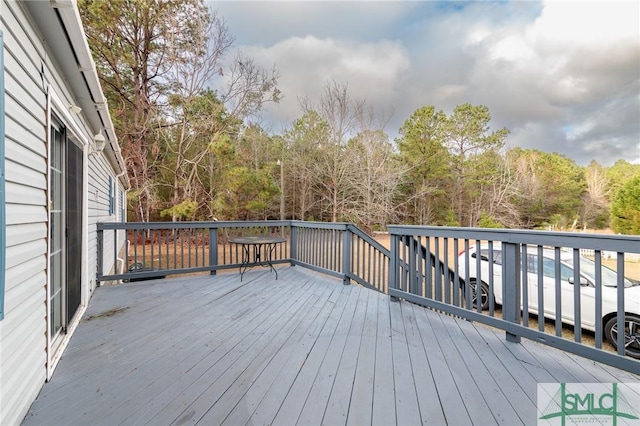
[[186, 110]]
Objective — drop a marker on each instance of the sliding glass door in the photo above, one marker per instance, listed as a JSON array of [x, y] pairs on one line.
[[65, 229]]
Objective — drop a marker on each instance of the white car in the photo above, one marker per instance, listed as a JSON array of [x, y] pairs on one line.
[[587, 291]]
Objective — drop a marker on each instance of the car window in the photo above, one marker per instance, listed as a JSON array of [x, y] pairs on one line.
[[484, 255], [532, 264], [549, 270]]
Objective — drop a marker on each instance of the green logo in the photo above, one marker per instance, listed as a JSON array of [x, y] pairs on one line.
[[582, 403]]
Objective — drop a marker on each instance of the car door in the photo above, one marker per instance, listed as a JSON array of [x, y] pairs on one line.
[[532, 282], [496, 283], [587, 299], [567, 290], [549, 286]]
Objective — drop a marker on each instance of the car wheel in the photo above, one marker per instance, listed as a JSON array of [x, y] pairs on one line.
[[631, 334], [484, 295]]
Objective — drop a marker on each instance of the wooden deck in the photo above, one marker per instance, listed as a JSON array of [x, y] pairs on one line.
[[304, 349]]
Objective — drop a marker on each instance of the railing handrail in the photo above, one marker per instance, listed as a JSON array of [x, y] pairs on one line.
[[191, 224], [369, 239], [349, 254], [409, 281], [604, 242], [344, 269]]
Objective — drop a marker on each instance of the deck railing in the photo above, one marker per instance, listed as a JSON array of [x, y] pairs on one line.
[[135, 251], [434, 267], [431, 266]]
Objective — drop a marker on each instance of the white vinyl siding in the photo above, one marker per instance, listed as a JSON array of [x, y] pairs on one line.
[[23, 329], [36, 87], [3, 231]]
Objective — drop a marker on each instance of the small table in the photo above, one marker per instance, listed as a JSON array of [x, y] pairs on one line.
[[263, 248]]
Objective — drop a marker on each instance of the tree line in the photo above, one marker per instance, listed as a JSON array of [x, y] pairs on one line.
[[187, 118]]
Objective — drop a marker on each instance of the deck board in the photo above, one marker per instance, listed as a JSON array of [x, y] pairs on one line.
[[502, 390], [265, 397], [298, 392], [407, 409], [256, 379], [303, 349], [148, 357], [451, 400], [511, 379], [383, 411], [360, 412], [429, 400], [241, 361], [318, 398], [471, 394], [339, 401]]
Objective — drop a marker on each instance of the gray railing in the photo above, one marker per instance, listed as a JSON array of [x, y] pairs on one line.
[[490, 275], [431, 266], [135, 251], [341, 250]]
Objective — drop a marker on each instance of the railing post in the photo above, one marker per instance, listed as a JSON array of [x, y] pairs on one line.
[[293, 244], [511, 268], [213, 249], [393, 266], [347, 238], [99, 240]]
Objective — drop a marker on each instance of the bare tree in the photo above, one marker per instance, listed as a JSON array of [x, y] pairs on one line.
[[303, 143], [340, 112], [376, 178], [498, 194], [595, 204]]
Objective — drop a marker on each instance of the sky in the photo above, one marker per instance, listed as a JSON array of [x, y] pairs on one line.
[[561, 76]]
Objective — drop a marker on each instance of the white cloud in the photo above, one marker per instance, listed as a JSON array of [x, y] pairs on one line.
[[371, 70], [562, 76], [576, 67], [592, 24]]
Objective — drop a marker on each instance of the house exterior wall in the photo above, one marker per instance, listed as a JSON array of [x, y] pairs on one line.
[[103, 210], [37, 87], [23, 341]]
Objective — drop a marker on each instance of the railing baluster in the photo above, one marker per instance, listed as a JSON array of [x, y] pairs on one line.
[[447, 281], [456, 274], [346, 255], [540, 289], [439, 270], [413, 265], [525, 284], [293, 231], [577, 324], [621, 310], [511, 271], [598, 299], [213, 250], [467, 269], [393, 264], [558, 289]]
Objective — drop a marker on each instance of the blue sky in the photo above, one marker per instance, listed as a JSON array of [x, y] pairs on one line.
[[561, 76]]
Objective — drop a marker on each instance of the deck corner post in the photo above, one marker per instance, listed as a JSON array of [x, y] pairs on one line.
[[293, 245], [393, 266], [99, 254], [347, 238], [213, 250], [511, 267]]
